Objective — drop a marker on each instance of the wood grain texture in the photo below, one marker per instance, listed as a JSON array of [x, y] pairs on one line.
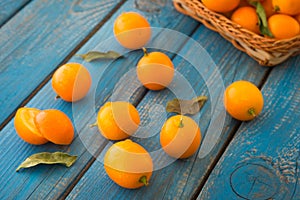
[[38, 39], [44, 182], [9, 8], [180, 179], [262, 161]]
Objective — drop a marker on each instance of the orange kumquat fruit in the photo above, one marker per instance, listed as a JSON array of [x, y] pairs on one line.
[[71, 82], [243, 100], [247, 18], [297, 17], [132, 30], [268, 6], [283, 26], [180, 136], [128, 164], [221, 5], [155, 70], [288, 7], [118, 120]]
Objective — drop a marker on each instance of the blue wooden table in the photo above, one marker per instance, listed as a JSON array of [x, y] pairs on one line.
[[257, 160]]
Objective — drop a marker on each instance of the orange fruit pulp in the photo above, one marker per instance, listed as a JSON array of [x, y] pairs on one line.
[[155, 70], [26, 128], [180, 136], [128, 164]]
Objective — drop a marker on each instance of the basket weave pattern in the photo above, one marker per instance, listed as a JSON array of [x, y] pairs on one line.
[[266, 51]]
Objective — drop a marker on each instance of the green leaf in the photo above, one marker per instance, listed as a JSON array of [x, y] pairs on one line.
[[95, 55], [48, 158], [262, 19], [186, 106]]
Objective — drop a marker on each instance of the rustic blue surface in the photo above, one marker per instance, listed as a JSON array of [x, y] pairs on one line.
[[263, 159], [180, 179], [53, 182], [38, 36], [9, 8], [38, 39]]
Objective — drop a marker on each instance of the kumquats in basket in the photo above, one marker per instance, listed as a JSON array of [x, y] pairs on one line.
[[267, 30]]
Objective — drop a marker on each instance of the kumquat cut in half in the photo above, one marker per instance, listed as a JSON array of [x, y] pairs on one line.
[[26, 128], [55, 126]]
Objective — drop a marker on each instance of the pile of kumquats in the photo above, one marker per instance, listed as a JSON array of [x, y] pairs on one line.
[[127, 163], [279, 19]]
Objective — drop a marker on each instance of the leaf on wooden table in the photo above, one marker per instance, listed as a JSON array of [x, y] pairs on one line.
[[48, 158], [95, 55], [186, 106]]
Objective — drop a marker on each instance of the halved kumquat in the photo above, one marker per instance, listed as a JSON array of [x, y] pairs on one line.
[[55, 126], [26, 128]]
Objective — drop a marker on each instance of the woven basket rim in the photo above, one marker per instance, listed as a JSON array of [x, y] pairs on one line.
[[222, 17], [267, 51]]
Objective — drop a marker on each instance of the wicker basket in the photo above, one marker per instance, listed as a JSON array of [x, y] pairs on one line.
[[266, 51]]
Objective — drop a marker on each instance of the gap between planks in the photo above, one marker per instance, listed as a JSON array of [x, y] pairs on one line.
[[68, 57], [227, 143]]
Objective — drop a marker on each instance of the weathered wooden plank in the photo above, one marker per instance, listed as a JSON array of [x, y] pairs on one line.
[[44, 182], [180, 179], [262, 161], [38, 39], [9, 8]]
